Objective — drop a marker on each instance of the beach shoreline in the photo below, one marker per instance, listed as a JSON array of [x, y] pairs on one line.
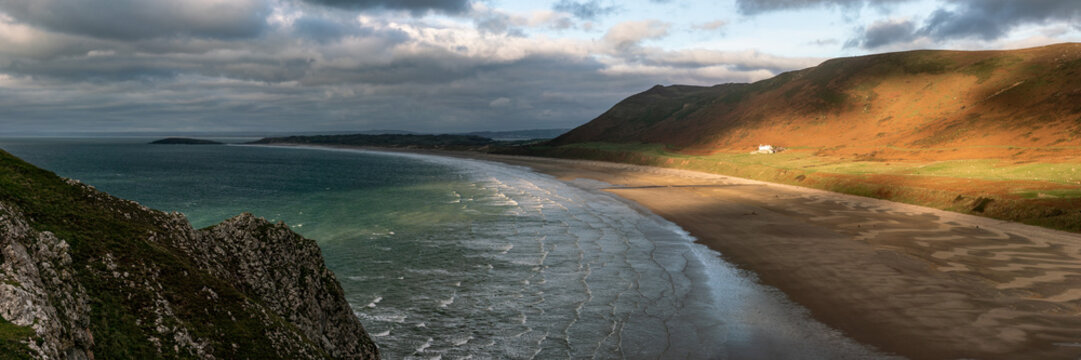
[[914, 281]]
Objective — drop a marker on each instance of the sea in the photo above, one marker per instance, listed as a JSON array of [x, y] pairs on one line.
[[450, 258]]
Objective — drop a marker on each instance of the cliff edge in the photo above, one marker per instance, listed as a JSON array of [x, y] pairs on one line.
[[86, 275]]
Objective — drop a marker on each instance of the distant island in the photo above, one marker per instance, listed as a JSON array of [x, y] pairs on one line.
[[184, 141]]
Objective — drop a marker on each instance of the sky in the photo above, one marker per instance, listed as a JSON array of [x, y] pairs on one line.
[[441, 65]]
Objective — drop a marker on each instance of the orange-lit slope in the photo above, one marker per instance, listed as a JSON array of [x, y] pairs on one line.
[[912, 100]]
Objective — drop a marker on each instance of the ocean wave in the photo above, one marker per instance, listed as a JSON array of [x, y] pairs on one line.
[[387, 318], [425, 345], [460, 340], [447, 302], [575, 264]]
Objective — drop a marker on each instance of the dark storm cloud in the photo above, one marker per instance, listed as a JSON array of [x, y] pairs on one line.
[[136, 19], [324, 29], [151, 73], [587, 10], [561, 92], [416, 6], [883, 33], [752, 7], [321, 29], [68, 65], [979, 19], [496, 23], [992, 19], [435, 67]]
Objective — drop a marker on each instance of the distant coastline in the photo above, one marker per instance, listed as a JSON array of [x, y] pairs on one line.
[[460, 142], [184, 141]]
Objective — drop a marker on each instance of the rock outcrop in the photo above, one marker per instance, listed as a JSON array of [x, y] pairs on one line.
[[325, 319], [38, 290], [84, 275]]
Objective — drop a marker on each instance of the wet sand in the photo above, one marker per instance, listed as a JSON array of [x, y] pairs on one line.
[[910, 280], [915, 281]]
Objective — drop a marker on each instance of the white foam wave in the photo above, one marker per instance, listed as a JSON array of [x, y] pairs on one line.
[[460, 340], [365, 278], [425, 345], [447, 302], [441, 272], [391, 318], [506, 248], [586, 262]]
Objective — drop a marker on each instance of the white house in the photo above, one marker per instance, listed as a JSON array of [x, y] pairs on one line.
[[766, 149]]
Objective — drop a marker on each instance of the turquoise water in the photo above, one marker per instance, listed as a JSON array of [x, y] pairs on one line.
[[452, 258]]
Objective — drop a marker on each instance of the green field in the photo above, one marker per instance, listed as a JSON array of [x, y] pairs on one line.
[[1042, 194], [805, 160]]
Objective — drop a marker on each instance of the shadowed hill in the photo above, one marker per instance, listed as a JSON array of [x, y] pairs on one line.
[[910, 100]]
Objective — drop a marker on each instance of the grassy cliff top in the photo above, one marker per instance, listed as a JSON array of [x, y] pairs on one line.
[[148, 296]]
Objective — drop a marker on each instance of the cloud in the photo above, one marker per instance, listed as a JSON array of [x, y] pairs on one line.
[[883, 33], [136, 19], [497, 22], [414, 6], [993, 19], [323, 29], [587, 10], [500, 102], [712, 25], [823, 42], [629, 34], [501, 22], [986, 20], [703, 67], [339, 69], [753, 7], [748, 60]]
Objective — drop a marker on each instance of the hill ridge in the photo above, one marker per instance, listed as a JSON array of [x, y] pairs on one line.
[[919, 99]]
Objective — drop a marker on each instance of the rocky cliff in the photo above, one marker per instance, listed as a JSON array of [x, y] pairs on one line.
[[85, 275]]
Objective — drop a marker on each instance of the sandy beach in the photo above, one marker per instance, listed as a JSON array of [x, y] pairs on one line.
[[915, 281]]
